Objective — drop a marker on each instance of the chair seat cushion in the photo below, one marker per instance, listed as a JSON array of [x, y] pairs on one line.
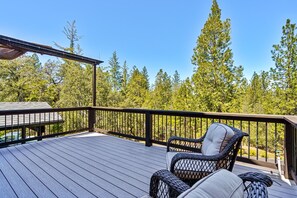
[[221, 183], [217, 137]]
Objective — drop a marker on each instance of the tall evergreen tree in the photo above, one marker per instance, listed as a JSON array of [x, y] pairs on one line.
[[125, 79], [136, 89], [103, 88], [162, 92], [115, 72], [183, 97], [146, 76], [70, 31], [215, 77], [258, 95], [75, 89], [284, 74], [175, 80]]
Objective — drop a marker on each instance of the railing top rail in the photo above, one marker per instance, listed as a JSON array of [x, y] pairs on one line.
[[234, 116], [215, 115], [26, 111], [292, 120]]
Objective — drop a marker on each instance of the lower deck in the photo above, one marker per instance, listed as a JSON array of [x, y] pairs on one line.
[[93, 165]]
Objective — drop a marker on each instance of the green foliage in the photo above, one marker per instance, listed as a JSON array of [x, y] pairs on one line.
[[183, 98], [125, 80], [258, 94], [21, 80], [216, 80], [161, 94], [136, 89], [284, 74], [115, 73]]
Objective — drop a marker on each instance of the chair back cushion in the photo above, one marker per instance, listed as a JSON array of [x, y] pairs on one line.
[[217, 137], [221, 183]]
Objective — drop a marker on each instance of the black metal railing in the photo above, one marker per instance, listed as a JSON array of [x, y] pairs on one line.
[[270, 136], [264, 144], [19, 126]]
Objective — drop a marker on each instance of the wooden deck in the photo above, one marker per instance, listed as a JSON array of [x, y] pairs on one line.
[[91, 165]]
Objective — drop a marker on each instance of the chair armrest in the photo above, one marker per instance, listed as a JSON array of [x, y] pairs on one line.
[[256, 177], [206, 163], [165, 183], [181, 144], [257, 190]]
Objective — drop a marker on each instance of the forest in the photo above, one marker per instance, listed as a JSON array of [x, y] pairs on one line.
[[216, 85]]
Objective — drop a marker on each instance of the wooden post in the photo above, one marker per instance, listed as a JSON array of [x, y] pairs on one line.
[[148, 129], [94, 85], [288, 150], [40, 131], [23, 134], [92, 119]]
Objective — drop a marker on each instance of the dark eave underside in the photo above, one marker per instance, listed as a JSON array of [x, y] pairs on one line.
[[41, 49]]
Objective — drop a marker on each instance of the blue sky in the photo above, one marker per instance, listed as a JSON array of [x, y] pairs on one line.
[[152, 33]]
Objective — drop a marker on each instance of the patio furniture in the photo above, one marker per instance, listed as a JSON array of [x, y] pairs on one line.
[[221, 183], [193, 159]]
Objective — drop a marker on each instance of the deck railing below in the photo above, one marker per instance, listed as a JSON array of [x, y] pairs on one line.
[[270, 136], [268, 140], [20, 126]]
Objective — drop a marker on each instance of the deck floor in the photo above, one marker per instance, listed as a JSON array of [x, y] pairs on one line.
[[92, 165]]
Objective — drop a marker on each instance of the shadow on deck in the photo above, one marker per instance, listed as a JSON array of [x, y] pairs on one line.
[[93, 165]]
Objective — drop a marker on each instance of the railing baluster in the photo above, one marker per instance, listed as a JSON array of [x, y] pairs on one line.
[[266, 139], [249, 139], [275, 142], [242, 141], [257, 140]]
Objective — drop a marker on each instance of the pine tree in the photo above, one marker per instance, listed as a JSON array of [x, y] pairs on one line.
[[162, 92], [284, 74], [176, 80], [70, 31], [115, 72], [146, 76], [215, 77], [76, 78], [124, 80], [103, 87], [183, 97], [136, 89], [258, 95]]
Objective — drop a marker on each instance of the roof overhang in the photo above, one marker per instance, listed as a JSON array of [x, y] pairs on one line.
[[11, 48]]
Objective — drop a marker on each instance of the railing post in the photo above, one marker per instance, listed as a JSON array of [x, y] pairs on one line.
[[148, 129], [92, 119], [23, 134], [288, 150]]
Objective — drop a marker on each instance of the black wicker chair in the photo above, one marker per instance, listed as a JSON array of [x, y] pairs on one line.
[[190, 166], [166, 185]]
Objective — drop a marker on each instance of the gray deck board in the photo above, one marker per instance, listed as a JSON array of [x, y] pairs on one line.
[[63, 179], [135, 158], [5, 187], [77, 177], [93, 165], [51, 183], [102, 156], [16, 182], [35, 184], [118, 172], [113, 181]]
